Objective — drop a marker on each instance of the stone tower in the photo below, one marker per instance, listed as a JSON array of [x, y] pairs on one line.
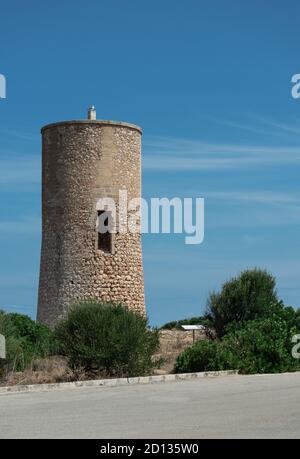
[[84, 161]]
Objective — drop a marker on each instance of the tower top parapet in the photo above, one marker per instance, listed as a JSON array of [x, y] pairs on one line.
[[93, 122]]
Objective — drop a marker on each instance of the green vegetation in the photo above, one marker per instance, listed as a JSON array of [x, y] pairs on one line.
[[25, 341], [107, 339], [248, 327], [201, 320], [95, 338], [259, 346], [249, 296], [253, 329]]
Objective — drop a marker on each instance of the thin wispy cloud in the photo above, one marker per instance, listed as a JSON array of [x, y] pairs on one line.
[[248, 126], [179, 154], [255, 218], [268, 128], [257, 197], [256, 209], [19, 169], [18, 134], [280, 145], [171, 154], [282, 126]]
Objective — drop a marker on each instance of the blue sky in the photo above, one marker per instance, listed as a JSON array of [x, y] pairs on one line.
[[209, 82]]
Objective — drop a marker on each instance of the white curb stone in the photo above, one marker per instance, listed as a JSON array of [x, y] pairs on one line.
[[113, 382]]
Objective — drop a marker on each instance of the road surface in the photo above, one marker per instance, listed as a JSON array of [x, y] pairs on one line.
[[258, 406]]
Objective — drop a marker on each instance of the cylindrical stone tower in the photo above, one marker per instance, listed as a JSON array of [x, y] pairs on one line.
[[84, 162]]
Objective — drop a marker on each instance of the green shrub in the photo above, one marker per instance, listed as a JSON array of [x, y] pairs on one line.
[[39, 337], [201, 320], [25, 340], [107, 338], [258, 346], [249, 296], [196, 358], [16, 357]]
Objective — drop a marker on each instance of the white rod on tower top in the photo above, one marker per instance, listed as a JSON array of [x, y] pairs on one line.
[[92, 113]]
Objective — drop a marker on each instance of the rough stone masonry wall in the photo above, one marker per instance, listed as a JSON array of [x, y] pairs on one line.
[[82, 162]]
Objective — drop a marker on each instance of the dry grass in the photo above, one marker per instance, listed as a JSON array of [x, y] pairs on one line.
[[172, 343], [50, 370]]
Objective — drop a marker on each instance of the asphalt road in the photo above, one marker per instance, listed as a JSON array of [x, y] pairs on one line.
[[265, 406]]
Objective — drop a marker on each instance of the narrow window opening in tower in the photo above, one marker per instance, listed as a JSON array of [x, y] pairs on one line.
[[104, 241]]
